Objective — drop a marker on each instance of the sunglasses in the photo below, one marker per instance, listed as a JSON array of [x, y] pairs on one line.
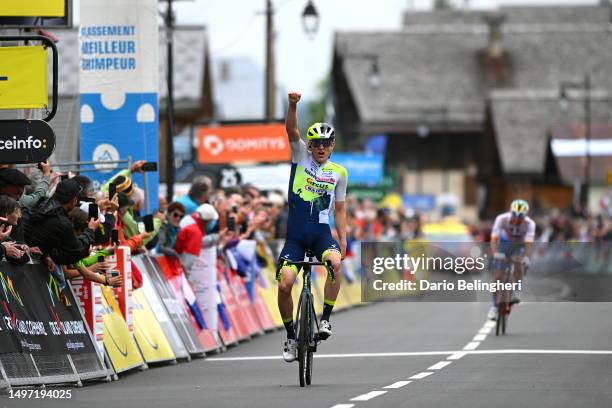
[[177, 214], [321, 142]]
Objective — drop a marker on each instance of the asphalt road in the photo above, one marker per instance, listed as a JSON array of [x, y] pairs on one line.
[[554, 355]]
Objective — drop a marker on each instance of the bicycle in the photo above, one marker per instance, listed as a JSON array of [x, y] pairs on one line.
[[306, 323], [503, 300]]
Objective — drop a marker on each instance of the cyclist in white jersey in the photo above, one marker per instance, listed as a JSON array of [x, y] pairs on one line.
[[511, 239]]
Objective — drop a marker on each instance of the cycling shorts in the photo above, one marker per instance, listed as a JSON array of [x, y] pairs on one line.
[[314, 237], [509, 249]]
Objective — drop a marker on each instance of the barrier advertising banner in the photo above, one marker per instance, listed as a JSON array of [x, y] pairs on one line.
[[119, 81], [149, 335], [89, 296], [37, 316], [118, 341], [175, 306], [161, 314]]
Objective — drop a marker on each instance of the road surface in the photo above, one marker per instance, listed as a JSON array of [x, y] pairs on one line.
[[394, 354]]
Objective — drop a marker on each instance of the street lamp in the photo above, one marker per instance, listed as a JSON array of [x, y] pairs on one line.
[[423, 131], [436, 116], [585, 86], [374, 74], [310, 20]]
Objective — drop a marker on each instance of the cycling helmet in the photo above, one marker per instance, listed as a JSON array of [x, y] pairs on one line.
[[320, 130], [519, 208]]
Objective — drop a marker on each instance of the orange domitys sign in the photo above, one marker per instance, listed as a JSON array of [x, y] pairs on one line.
[[243, 143]]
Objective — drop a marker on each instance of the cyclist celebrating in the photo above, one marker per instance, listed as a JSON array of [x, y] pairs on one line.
[[511, 238], [316, 187]]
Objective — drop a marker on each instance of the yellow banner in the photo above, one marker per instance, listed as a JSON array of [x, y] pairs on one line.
[[148, 333], [23, 77], [32, 8], [118, 341]]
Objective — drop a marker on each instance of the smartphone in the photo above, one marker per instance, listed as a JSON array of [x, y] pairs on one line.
[[112, 190], [93, 211], [149, 166], [4, 221], [231, 223], [114, 273], [234, 208], [148, 223], [100, 258], [115, 236], [64, 177]]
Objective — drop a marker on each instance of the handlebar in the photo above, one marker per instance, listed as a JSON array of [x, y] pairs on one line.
[[305, 263]]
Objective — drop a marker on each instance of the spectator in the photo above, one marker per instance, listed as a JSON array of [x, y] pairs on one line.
[[10, 211], [135, 241], [170, 229], [89, 267], [50, 229], [198, 257], [42, 187], [198, 194], [12, 184], [105, 209]]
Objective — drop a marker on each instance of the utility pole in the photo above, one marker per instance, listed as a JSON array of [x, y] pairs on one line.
[[269, 82], [169, 21], [587, 124]]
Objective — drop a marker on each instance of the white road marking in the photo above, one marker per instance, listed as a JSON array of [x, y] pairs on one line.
[[456, 356], [368, 396], [421, 375], [399, 354], [453, 354], [439, 365], [469, 348], [541, 351], [398, 384]]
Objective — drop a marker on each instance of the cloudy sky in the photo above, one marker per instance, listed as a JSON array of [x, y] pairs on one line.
[[237, 28]]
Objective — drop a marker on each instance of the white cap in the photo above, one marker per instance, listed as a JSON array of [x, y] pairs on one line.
[[207, 212]]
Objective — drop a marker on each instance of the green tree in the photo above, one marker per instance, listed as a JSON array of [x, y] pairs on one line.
[[315, 109]]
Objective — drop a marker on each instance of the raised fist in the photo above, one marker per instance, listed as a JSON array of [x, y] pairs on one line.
[[294, 97]]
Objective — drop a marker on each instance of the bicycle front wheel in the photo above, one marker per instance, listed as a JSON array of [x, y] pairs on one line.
[[303, 342]]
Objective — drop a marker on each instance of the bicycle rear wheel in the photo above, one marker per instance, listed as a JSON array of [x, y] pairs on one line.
[[303, 341], [500, 319]]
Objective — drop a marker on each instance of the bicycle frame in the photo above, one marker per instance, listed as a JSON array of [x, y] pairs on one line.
[[306, 323], [306, 295], [503, 299]]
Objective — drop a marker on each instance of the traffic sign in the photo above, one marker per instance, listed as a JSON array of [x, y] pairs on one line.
[[23, 77]]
